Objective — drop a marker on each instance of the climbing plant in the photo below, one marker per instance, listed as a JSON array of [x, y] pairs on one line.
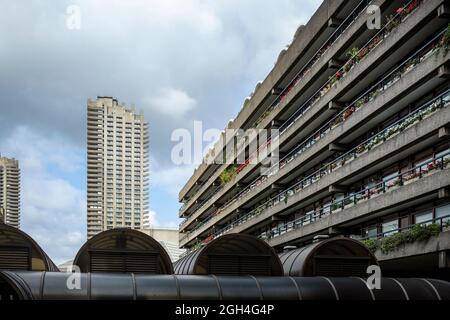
[[228, 174], [416, 233]]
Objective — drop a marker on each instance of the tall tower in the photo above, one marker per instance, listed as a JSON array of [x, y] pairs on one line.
[[118, 169], [10, 192]]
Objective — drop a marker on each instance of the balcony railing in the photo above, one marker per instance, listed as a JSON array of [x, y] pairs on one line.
[[368, 96], [426, 110], [359, 102], [438, 163], [442, 222], [351, 18], [358, 56]]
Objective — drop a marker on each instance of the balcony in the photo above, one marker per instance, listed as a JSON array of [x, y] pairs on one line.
[[360, 151], [379, 90], [314, 44], [373, 44]]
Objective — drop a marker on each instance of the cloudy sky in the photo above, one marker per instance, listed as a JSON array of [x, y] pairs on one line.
[[177, 60]]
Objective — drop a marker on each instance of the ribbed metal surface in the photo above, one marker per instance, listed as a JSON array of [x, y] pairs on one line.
[[238, 265], [232, 254], [121, 251], [338, 267], [336, 257], [18, 251], [15, 258], [98, 286], [139, 262]]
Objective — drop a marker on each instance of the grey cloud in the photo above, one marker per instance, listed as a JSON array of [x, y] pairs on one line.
[[214, 51]]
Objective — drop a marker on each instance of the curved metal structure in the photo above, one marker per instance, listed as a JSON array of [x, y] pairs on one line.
[[232, 255], [336, 257], [94, 286], [18, 251], [121, 251]]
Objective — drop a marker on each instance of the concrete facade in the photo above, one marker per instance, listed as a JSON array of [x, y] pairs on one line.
[[168, 239], [10, 192], [349, 123], [117, 178]]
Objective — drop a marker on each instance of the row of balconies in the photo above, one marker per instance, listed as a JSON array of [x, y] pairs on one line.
[[428, 110], [307, 50], [388, 81], [283, 104]]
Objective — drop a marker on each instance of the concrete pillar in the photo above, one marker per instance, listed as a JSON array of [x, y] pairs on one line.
[[444, 259], [276, 124], [277, 91], [337, 189], [444, 132], [444, 193], [334, 22], [443, 11], [335, 106], [444, 72], [335, 64], [276, 186], [338, 147]]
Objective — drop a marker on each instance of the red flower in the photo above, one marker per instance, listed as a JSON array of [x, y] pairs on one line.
[[399, 11], [338, 75]]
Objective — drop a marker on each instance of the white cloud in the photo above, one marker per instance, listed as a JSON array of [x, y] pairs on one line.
[[53, 209], [180, 60], [169, 178], [171, 102]]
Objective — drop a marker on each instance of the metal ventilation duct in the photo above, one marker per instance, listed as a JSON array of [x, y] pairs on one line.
[[18, 251], [95, 286], [336, 257], [122, 251], [232, 255]]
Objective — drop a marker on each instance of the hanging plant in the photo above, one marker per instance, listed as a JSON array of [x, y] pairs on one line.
[[392, 23], [444, 44], [353, 54], [228, 174]]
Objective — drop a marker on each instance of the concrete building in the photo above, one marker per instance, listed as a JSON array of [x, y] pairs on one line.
[[117, 175], [364, 135], [168, 238], [10, 192]]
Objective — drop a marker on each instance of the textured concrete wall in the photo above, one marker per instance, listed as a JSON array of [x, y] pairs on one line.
[[434, 244]]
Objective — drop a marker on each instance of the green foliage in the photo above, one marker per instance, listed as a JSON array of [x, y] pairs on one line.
[[353, 54], [390, 243], [371, 244], [445, 43], [228, 174]]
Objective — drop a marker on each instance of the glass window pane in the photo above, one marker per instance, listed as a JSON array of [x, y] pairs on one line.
[[390, 227], [422, 217], [443, 211]]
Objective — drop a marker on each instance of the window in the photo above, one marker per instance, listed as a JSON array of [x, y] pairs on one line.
[[390, 227], [441, 212], [372, 232], [424, 218]]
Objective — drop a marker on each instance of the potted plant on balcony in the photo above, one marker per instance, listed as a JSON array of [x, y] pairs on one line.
[[413, 176], [444, 42], [446, 226], [392, 22], [348, 113], [228, 174], [359, 103]]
